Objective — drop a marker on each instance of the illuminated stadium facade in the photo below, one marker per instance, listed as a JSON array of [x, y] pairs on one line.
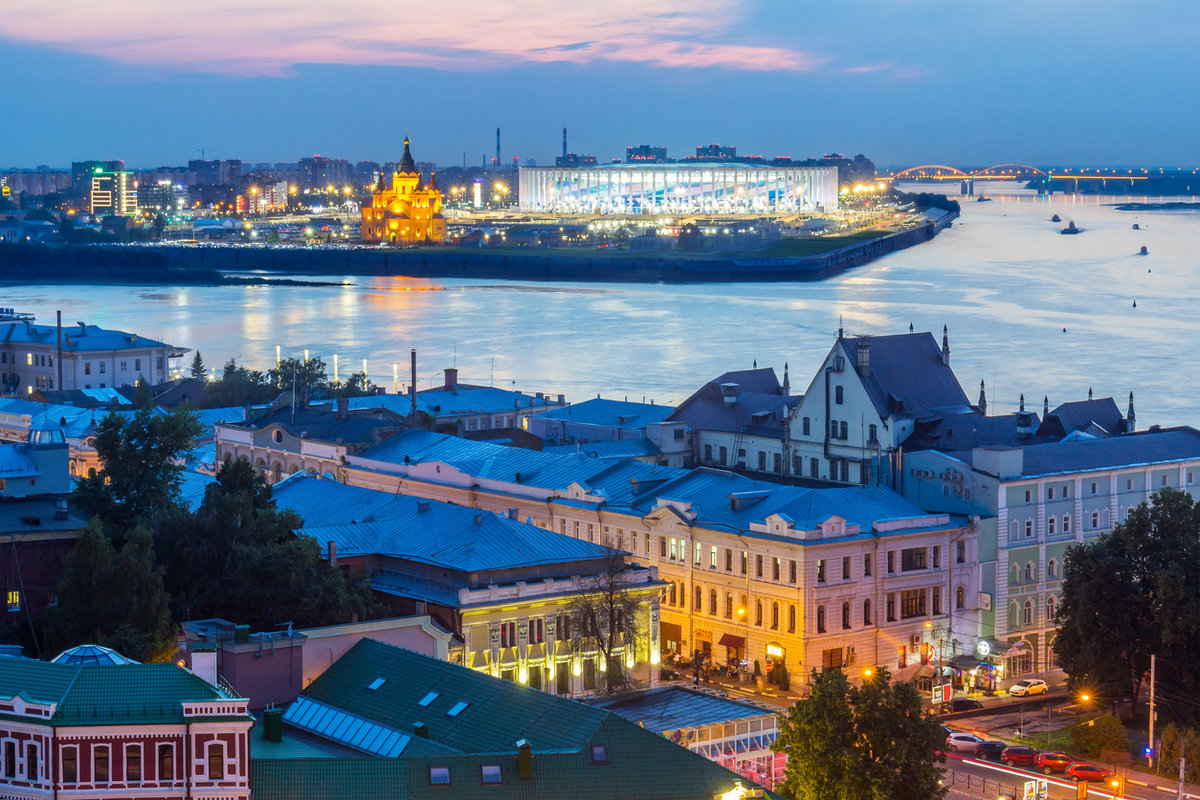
[[678, 188]]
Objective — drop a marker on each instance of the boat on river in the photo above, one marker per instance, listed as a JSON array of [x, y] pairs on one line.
[[1143, 251], [1071, 229], [1056, 218]]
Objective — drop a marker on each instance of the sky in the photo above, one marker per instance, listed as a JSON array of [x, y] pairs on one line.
[[906, 82]]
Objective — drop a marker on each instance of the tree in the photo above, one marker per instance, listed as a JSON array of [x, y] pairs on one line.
[[112, 597], [140, 459], [1096, 736], [605, 619], [197, 370], [1131, 593], [868, 743], [238, 557]]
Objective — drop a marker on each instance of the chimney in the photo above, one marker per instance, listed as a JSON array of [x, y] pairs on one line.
[[412, 386], [945, 345], [564, 142], [204, 660], [451, 379], [864, 356], [332, 548], [524, 758], [273, 724], [343, 408], [421, 730]]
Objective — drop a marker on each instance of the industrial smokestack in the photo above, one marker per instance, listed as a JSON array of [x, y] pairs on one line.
[[564, 142], [499, 164], [412, 386]]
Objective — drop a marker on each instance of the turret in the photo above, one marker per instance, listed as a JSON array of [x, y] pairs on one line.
[[1130, 419], [945, 345], [982, 400]]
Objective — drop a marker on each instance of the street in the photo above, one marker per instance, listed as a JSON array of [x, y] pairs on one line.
[[1003, 780]]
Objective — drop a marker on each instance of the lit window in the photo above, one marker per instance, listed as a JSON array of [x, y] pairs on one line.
[[599, 754], [14, 600], [491, 773], [439, 776], [457, 709]]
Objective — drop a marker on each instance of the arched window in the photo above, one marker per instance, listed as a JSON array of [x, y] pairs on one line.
[[1014, 615], [216, 762], [671, 601], [728, 606], [724, 454], [774, 616], [1051, 608], [1028, 618], [1029, 571], [699, 598], [682, 595], [866, 612], [712, 602], [1052, 568], [845, 616], [820, 619], [758, 612], [791, 619], [1014, 575], [960, 597]]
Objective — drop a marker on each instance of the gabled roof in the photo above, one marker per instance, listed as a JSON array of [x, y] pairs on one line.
[[907, 374], [76, 338], [323, 423], [758, 404], [106, 694], [1082, 415], [956, 431]]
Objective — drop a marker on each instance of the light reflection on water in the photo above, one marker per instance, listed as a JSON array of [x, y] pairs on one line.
[[1002, 279]]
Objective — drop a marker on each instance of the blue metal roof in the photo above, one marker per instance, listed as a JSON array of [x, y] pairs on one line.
[[192, 486], [628, 448], [320, 502], [610, 413], [449, 403], [76, 338], [670, 708], [1128, 450]]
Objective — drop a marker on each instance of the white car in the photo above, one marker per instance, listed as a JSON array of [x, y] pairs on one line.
[[963, 742], [1028, 686]]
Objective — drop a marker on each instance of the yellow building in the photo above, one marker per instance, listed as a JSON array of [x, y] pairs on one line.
[[407, 212]]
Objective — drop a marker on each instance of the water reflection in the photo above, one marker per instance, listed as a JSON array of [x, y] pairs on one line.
[[1003, 279]]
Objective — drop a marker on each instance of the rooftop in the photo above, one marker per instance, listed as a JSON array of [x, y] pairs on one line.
[[601, 411], [907, 373], [1129, 450], [77, 338]]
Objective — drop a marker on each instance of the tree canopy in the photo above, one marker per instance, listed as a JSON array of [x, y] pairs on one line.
[[872, 742], [1131, 593], [308, 378]]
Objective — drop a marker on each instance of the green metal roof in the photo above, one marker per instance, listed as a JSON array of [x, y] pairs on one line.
[[639, 763], [106, 694]]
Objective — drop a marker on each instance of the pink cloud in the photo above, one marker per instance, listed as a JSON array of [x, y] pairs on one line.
[[247, 37]]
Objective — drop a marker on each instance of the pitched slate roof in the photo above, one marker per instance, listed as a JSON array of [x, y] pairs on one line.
[[106, 694], [496, 715], [1082, 415], [668, 708], [955, 431], [449, 403], [907, 368], [760, 407], [627, 448]]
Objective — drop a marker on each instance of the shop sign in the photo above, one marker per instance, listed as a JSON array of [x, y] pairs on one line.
[[775, 651]]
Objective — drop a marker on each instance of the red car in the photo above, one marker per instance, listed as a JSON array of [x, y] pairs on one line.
[[1083, 771], [1024, 756], [1052, 762]]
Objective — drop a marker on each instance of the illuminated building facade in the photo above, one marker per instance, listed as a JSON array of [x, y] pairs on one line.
[[701, 188], [112, 193], [407, 212]]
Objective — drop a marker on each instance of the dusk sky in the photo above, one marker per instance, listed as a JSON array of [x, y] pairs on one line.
[[1046, 82]]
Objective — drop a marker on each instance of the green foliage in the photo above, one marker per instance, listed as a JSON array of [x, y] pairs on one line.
[[1131, 593], [1105, 733], [197, 369], [139, 477], [112, 597], [143, 396], [239, 385], [238, 557], [868, 743], [1178, 740]]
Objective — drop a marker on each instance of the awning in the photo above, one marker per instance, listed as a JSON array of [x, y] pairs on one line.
[[670, 632], [729, 640], [966, 663]]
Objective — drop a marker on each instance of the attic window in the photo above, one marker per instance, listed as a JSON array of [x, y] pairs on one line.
[[427, 699], [599, 754], [491, 773], [375, 684], [457, 709], [439, 776]]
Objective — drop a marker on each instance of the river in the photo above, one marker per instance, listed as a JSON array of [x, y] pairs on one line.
[[1028, 311]]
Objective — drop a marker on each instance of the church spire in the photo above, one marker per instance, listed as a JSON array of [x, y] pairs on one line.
[[946, 345], [982, 400], [433, 180], [1130, 420], [1022, 401], [1045, 406], [787, 384], [406, 161]]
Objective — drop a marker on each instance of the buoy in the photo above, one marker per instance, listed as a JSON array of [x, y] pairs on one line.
[[1064, 330], [1135, 303]]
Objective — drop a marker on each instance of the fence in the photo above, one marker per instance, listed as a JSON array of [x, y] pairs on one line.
[[966, 785]]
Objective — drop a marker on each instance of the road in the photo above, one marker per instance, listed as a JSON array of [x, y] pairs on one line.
[[1003, 780]]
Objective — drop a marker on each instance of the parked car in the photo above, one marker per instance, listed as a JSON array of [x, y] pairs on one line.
[[1053, 762], [963, 742], [1083, 771], [1019, 755], [990, 749], [1028, 687], [961, 704]]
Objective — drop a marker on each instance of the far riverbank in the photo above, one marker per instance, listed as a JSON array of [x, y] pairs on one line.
[[189, 265]]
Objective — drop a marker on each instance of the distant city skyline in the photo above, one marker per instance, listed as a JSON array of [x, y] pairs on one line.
[[1064, 82]]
